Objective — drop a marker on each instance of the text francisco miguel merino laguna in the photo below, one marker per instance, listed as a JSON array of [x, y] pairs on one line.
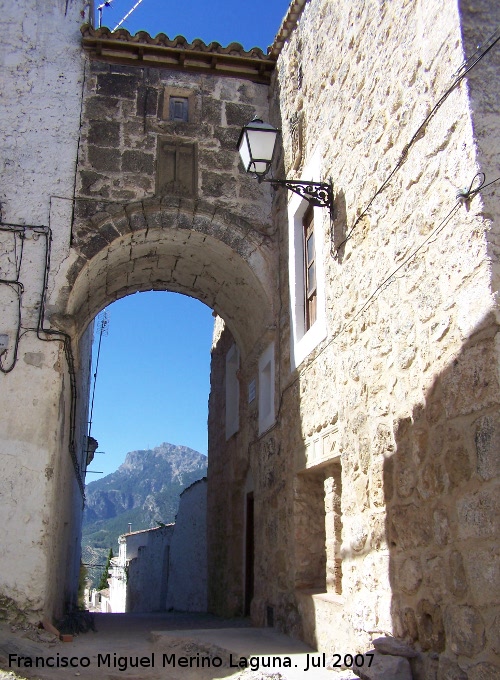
[[122, 663]]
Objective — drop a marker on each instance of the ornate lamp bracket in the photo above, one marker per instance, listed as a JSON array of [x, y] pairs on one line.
[[320, 194]]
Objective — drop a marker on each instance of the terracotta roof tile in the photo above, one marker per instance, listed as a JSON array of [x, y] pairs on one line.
[[142, 49]]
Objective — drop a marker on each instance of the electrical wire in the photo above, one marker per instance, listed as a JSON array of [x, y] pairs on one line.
[[466, 68], [65, 338], [463, 197], [53, 335], [18, 287], [104, 325]]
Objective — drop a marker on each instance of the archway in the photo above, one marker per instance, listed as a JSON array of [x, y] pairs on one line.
[[187, 248]]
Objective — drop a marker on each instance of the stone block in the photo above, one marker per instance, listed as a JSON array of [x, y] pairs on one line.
[[450, 670], [424, 667], [409, 526], [384, 667], [441, 525], [133, 136], [465, 631], [483, 671], [94, 246], [494, 635], [487, 438], [93, 183], [117, 85], [458, 578], [104, 133], [431, 481], [227, 137], [220, 159], [409, 576], [138, 161], [217, 185], [479, 514], [431, 632], [482, 567], [471, 382], [457, 464], [108, 232], [394, 647], [147, 101], [104, 160], [102, 108], [239, 114], [211, 111]]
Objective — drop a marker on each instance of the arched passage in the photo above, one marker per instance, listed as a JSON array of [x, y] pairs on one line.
[[179, 246], [188, 248]]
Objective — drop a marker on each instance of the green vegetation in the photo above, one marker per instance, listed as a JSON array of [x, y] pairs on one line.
[[82, 578], [103, 583]]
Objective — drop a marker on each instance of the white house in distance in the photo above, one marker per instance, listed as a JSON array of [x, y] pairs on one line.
[[166, 567]]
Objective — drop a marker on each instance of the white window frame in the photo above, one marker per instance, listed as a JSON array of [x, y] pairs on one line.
[[266, 389], [302, 341], [232, 391]]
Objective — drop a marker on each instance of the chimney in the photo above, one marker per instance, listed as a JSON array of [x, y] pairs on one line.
[[130, 527]]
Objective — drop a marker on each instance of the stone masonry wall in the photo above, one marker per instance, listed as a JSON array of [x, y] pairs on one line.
[[126, 124], [403, 393], [161, 203]]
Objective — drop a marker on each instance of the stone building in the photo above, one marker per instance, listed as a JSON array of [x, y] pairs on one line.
[[354, 426]]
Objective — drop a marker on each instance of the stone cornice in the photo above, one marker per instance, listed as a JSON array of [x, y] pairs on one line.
[[120, 47]]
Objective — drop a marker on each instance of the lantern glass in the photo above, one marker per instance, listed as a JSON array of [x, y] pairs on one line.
[[256, 146]]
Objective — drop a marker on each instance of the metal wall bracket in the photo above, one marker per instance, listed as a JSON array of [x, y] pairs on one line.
[[320, 194]]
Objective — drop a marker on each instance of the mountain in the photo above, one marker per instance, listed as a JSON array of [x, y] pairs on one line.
[[144, 491]]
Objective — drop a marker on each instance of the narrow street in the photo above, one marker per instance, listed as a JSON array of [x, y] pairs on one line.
[[155, 646]]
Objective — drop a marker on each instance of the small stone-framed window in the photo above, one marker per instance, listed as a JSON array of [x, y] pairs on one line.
[[178, 105], [179, 109]]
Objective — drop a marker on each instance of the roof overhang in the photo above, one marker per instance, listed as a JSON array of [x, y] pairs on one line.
[[141, 50]]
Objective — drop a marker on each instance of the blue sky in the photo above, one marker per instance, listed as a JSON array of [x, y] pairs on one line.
[[154, 371], [253, 24], [153, 376]]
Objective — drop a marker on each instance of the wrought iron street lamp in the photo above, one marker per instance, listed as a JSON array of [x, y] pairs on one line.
[[256, 146]]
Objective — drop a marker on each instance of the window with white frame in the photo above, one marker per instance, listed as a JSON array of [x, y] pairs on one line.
[[232, 391], [306, 272], [266, 389]]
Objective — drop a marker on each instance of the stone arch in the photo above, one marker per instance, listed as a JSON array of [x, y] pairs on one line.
[[181, 246]]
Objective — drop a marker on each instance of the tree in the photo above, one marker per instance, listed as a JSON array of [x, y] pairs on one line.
[[103, 583], [82, 582]]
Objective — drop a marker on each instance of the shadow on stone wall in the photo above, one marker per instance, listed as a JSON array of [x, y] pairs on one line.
[[441, 489]]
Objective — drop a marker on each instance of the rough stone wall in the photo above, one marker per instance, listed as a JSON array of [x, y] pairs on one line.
[[224, 500], [405, 387], [397, 409], [38, 148], [187, 571], [162, 204], [126, 120]]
